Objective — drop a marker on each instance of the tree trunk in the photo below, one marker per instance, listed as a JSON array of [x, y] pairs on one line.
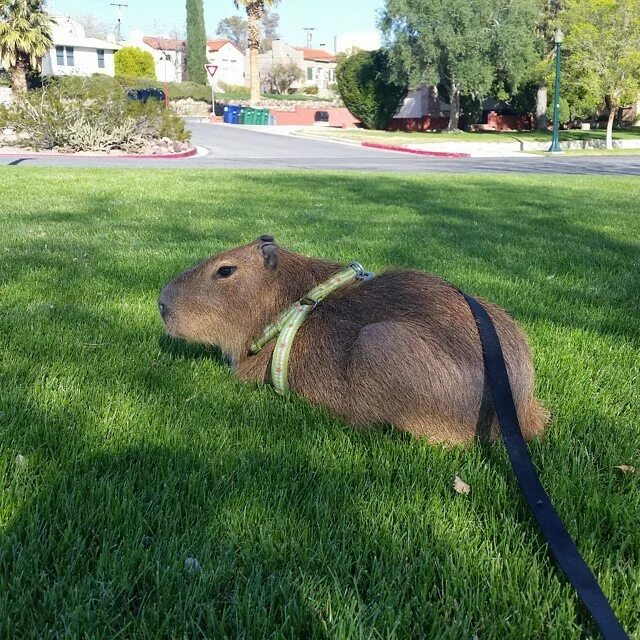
[[612, 117], [19, 74], [454, 101], [542, 122], [254, 13]]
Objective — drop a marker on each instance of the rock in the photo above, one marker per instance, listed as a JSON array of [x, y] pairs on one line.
[[191, 565]]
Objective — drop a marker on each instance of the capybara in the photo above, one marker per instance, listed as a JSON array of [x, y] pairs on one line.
[[400, 349]]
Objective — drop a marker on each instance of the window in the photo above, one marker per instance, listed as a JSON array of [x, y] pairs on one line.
[[309, 73], [100, 58], [70, 59], [60, 56]]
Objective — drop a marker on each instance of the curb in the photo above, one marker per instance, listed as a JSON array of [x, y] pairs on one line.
[[130, 156], [419, 152]]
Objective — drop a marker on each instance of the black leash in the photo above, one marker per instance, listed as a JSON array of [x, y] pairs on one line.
[[560, 542]]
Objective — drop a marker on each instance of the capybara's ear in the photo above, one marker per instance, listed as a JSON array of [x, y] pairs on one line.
[[269, 251]]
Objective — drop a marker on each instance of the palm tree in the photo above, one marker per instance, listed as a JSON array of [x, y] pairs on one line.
[[254, 9], [25, 37]]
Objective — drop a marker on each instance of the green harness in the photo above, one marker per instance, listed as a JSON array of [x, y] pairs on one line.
[[288, 323]]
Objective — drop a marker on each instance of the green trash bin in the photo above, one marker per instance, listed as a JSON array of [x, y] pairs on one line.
[[262, 116], [249, 115]]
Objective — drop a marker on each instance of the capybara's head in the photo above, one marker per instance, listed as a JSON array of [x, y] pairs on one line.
[[220, 300]]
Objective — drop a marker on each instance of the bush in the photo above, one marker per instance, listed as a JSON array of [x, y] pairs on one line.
[[238, 89], [311, 90], [564, 115], [132, 61], [170, 124], [366, 87], [85, 114]]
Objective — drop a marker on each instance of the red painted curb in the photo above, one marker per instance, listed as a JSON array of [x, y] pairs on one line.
[[418, 152], [130, 156]]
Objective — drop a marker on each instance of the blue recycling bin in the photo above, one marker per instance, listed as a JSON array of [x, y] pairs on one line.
[[226, 114], [234, 118]]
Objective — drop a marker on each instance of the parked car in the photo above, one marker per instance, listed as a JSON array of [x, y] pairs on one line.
[[145, 94]]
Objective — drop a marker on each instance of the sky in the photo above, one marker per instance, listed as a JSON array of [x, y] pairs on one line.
[[329, 17]]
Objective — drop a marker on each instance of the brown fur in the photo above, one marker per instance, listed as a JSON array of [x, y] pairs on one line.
[[401, 349]]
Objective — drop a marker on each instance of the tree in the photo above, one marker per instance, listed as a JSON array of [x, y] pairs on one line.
[[366, 85], [196, 42], [541, 73], [135, 63], [602, 66], [25, 37], [467, 47], [93, 27], [234, 29], [255, 10], [270, 24], [283, 74]]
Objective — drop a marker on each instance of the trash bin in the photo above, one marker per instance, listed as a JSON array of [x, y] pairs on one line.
[[234, 117], [262, 117], [241, 116], [250, 115], [226, 114]]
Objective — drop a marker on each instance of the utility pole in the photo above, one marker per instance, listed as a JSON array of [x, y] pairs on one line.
[[309, 31], [119, 19]]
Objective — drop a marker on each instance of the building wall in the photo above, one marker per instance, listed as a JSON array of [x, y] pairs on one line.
[[362, 40], [231, 65], [85, 63], [170, 65], [320, 74]]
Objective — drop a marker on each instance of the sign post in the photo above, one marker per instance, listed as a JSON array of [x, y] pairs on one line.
[[211, 71]]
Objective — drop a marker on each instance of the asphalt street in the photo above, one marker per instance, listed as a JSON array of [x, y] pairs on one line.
[[238, 148]]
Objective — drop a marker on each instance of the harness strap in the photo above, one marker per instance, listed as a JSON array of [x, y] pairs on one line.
[[549, 522], [288, 323]]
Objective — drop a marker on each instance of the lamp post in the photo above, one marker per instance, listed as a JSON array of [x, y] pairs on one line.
[[555, 145]]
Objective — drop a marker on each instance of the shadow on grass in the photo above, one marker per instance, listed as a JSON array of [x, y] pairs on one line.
[[295, 534]]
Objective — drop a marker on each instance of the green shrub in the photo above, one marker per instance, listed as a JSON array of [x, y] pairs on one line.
[[4, 78], [170, 124], [81, 115], [366, 87], [565, 114], [311, 90], [95, 87], [132, 61], [237, 89]]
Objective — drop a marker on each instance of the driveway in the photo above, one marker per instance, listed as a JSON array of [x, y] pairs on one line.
[[238, 148]]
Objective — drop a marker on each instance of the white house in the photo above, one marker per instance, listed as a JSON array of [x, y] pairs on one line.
[[169, 54], [318, 66], [229, 60], [75, 54]]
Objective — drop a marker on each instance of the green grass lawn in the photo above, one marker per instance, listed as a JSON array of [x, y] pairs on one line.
[[402, 137], [140, 452]]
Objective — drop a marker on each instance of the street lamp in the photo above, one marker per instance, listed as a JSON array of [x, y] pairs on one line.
[[555, 145]]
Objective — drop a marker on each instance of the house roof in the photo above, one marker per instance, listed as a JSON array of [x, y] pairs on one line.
[[318, 55], [165, 44], [217, 43], [69, 40]]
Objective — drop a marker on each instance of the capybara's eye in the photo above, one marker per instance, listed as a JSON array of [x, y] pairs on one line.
[[225, 272]]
